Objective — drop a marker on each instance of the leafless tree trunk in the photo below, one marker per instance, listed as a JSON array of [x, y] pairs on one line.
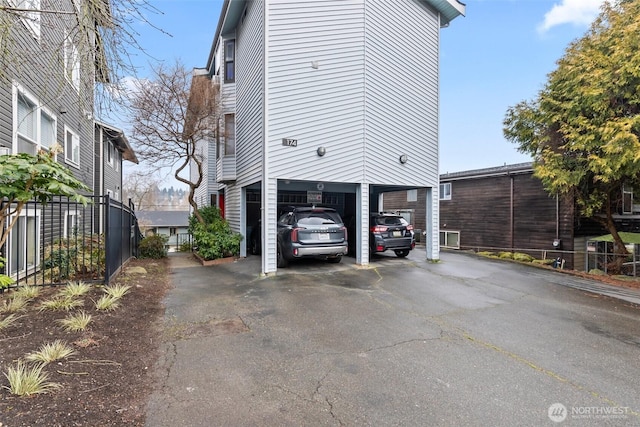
[[170, 114]]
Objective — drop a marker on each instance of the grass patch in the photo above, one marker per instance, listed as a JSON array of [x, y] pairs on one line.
[[50, 352], [117, 291], [74, 289], [8, 321], [14, 305], [107, 303], [27, 292], [75, 322], [25, 380], [61, 304]]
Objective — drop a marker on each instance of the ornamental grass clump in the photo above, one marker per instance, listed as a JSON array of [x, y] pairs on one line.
[[75, 322], [14, 304], [27, 292], [61, 304], [117, 291], [74, 289], [50, 352], [25, 380], [107, 303], [8, 321]]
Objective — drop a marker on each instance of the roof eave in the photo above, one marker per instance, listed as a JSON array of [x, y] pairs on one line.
[[448, 10]]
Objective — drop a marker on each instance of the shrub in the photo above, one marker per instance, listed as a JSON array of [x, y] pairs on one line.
[[518, 256], [214, 239], [153, 247], [75, 258]]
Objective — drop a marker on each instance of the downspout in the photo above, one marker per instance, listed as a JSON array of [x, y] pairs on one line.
[[511, 216]]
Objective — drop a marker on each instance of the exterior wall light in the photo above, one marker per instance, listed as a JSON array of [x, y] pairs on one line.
[[403, 159], [321, 151]]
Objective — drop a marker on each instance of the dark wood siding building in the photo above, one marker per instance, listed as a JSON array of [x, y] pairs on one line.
[[506, 208]]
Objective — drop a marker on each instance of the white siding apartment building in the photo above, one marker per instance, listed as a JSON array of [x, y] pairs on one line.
[[328, 100]]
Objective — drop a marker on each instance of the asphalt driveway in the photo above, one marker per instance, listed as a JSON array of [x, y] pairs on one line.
[[466, 341]]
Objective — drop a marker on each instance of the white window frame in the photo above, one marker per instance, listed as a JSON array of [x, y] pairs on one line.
[[446, 238], [31, 19], [71, 62], [110, 153], [412, 195], [27, 268], [70, 220], [71, 156], [445, 191], [37, 140]]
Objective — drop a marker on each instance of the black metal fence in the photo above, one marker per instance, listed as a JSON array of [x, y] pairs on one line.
[[64, 241]]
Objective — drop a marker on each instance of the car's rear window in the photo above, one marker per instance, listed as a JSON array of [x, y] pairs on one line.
[[318, 217], [390, 220]]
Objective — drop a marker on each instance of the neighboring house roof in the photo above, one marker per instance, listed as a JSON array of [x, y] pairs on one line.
[[513, 169], [232, 10], [120, 140], [163, 218]]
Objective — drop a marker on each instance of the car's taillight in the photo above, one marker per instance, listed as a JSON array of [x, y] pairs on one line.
[[344, 229], [409, 227], [379, 229], [294, 233]]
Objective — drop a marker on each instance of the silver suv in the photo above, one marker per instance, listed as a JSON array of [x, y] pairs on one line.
[[311, 232]]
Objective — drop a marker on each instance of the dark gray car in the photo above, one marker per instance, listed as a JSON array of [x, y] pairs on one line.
[[390, 231], [311, 232]]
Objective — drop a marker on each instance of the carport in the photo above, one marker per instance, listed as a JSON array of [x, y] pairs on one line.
[[352, 203]]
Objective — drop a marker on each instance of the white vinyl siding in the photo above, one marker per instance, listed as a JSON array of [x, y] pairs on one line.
[[315, 75], [401, 93], [250, 88]]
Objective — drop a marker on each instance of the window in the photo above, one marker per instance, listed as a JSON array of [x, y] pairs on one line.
[[71, 62], [229, 134], [229, 61], [71, 224], [217, 139], [450, 239], [627, 200], [412, 195], [36, 126], [445, 191], [47, 130], [24, 243], [31, 16], [110, 153], [71, 146]]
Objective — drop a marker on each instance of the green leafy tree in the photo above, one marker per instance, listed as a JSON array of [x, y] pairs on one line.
[[582, 129], [27, 177]]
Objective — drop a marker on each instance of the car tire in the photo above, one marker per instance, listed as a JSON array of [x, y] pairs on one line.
[[281, 260], [401, 253], [335, 260]]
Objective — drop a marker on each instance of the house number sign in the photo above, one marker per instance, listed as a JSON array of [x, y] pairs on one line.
[[288, 142]]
